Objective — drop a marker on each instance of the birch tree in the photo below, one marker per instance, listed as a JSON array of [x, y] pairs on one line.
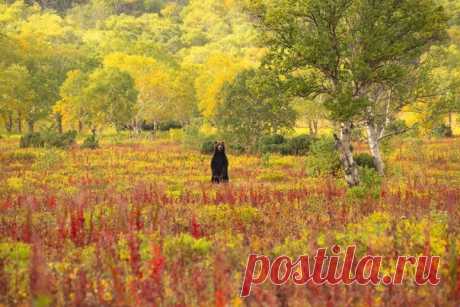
[[344, 49]]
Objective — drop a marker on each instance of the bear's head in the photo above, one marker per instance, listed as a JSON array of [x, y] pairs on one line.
[[219, 146]]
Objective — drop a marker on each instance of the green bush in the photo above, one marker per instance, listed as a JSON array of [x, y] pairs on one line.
[[365, 160], [443, 131], [207, 147], [271, 143], [370, 185], [237, 148], [91, 142], [33, 139], [271, 148], [59, 140], [299, 145], [272, 139], [21, 156], [48, 139], [168, 125], [323, 158], [396, 127]]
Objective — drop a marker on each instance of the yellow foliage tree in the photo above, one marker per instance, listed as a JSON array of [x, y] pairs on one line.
[[213, 74], [72, 106], [164, 94]]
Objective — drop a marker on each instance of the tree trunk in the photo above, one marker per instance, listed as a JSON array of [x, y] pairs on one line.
[[136, 126], [80, 126], [343, 144], [313, 127], [59, 122], [155, 127], [9, 123], [30, 125], [19, 122], [450, 119], [374, 146]]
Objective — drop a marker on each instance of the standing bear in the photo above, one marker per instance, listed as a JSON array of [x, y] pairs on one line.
[[219, 164]]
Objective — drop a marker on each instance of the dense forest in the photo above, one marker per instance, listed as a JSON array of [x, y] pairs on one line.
[[164, 61]]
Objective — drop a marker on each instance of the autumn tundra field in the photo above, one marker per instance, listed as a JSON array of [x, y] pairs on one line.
[[139, 223], [229, 153]]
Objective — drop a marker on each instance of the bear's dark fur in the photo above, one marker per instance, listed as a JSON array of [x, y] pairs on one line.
[[219, 164]]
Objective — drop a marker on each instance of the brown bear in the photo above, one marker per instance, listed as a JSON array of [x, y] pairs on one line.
[[219, 164]]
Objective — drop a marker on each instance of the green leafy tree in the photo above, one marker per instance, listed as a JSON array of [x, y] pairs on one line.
[[446, 83], [73, 106], [17, 95], [47, 49], [112, 96], [310, 112], [346, 50], [253, 106]]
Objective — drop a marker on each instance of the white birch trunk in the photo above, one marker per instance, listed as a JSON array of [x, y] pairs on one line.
[[343, 143], [374, 146]]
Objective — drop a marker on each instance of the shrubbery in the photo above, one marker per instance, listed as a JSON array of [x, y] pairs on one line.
[[168, 125], [271, 144], [370, 185], [298, 145], [33, 139], [48, 139], [21, 156], [273, 139], [396, 127], [277, 144], [443, 131], [323, 158], [91, 142], [60, 140], [365, 160], [207, 147], [236, 148]]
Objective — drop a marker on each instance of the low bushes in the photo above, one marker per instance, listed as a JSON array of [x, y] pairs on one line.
[[323, 158], [443, 131], [298, 145], [364, 160], [33, 139], [207, 147], [168, 125], [91, 142], [397, 126], [48, 139]]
